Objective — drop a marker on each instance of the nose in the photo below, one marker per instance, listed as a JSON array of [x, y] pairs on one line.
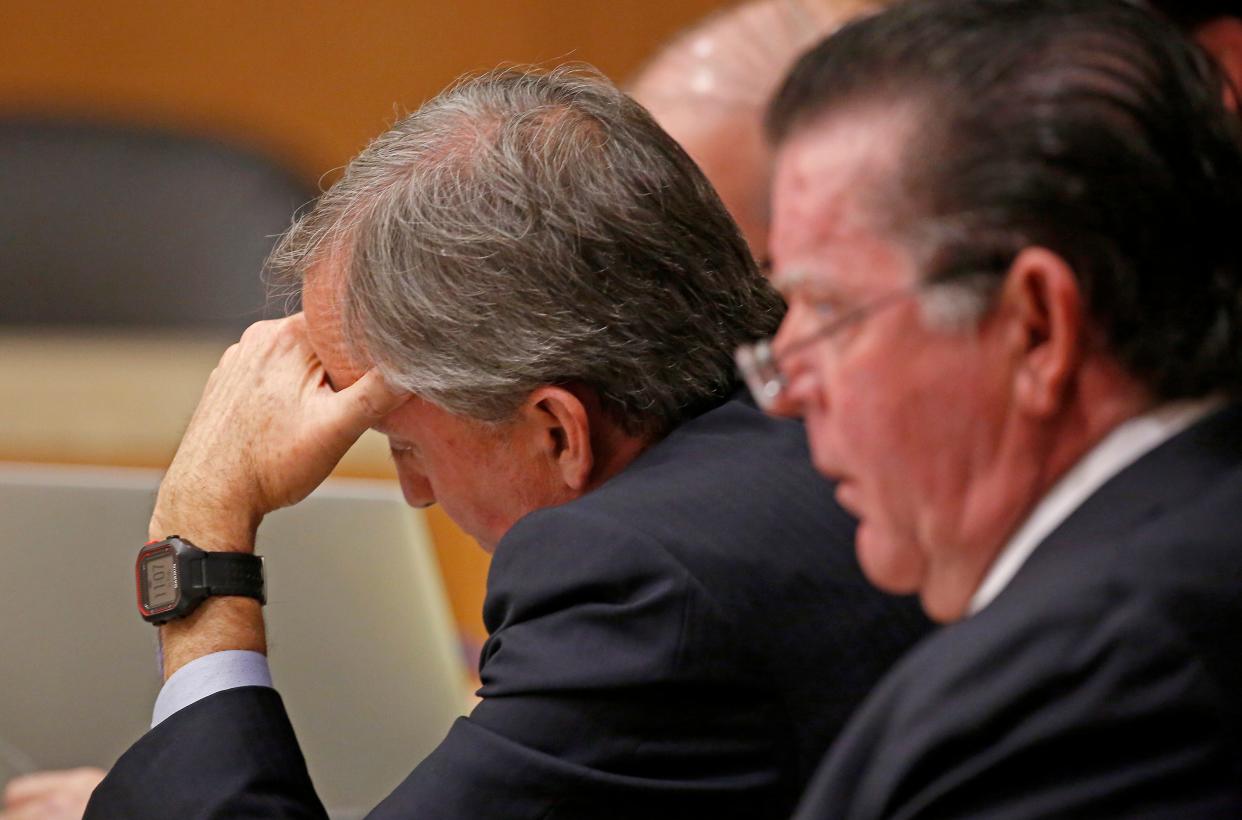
[[415, 487], [417, 492]]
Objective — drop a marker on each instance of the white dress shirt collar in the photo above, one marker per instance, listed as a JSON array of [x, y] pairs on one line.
[[1119, 449]]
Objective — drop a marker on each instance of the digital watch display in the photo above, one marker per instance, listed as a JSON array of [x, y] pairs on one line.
[[174, 577]]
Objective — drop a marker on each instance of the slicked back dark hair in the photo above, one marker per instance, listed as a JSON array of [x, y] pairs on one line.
[[1088, 127]]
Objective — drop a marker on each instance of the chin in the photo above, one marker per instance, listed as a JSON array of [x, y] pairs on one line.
[[889, 564], [821, 458], [485, 537], [943, 608]]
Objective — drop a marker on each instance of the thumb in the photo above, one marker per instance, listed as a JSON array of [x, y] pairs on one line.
[[369, 399]]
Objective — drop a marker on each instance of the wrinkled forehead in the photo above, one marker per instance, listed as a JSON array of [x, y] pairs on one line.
[[833, 187], [322, 302]]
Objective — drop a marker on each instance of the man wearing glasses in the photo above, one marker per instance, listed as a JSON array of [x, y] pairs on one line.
[[1006, 231]]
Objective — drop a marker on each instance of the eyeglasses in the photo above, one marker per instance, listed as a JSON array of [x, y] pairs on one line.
[[760, 365]]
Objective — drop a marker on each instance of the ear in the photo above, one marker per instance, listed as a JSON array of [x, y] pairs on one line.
[[561, 424], [1044, 306]]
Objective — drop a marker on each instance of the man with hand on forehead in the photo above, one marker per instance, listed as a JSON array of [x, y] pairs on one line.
[[533, 292], [1007, 233]]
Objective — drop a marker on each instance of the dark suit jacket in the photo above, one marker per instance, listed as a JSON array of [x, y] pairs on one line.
[[683, 642], [1105, 680]]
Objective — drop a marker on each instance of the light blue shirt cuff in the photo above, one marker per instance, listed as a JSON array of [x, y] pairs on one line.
[[207, 675]]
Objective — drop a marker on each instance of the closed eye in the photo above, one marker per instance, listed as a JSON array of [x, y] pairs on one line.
[[401, 449]]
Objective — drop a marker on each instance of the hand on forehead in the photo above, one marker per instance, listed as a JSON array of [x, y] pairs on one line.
[[321, 303]]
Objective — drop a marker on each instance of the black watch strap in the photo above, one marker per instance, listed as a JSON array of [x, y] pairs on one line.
[[233, 573]]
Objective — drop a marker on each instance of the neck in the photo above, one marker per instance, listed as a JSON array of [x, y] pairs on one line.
[[1036, 452], [614, 450], [1103, 398]]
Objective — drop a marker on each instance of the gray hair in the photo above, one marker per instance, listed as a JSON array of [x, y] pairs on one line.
[[524, 229]]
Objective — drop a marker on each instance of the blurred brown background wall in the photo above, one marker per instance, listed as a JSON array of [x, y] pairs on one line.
[[307, 83]]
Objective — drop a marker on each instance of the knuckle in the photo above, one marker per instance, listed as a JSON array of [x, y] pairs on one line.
[[285, 330], [367, 406], [261, 330], [252, 333]]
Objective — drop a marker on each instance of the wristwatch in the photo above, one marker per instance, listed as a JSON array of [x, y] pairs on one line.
[[174, 577]]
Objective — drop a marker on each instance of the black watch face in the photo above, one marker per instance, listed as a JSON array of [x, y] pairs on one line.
[[158, 572]]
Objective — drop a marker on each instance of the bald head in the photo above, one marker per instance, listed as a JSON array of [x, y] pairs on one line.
[[710, 86]]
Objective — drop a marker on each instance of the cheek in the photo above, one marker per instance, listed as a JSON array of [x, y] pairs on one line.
[[819, 439], [860, 421], [474, 485], [888, 544], [878, 441], [943, 416]]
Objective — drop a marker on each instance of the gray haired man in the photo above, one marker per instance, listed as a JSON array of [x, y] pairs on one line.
[[532, 291]]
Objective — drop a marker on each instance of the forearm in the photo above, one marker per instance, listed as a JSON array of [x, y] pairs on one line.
[[268, 430], [217, 625]]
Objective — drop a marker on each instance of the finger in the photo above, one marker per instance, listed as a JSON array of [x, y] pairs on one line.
[[369, 399], [31, 787], [51, 808], [30, 811], [39, 784], [44, 810]]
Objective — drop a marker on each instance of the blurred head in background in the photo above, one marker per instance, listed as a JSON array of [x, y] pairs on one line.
[[1216, 25], [710, 85]]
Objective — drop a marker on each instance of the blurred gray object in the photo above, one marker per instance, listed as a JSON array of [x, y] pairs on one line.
[[363, 647], [106, 226]]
